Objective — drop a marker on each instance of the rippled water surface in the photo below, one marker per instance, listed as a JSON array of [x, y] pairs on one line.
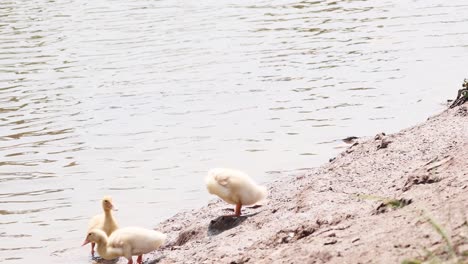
[[138, 98]]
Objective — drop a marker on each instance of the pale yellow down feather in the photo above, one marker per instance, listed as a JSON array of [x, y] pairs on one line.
[[126, 242], [105, 221], [234, 186]]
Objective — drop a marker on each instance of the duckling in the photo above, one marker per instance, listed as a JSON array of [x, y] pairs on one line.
[[105, 221], [125, 242], [234, 187]]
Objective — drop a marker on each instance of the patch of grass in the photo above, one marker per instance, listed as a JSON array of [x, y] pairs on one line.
[[431, 256], [462, 95], [438, 228], [387, 202], [411, 261]]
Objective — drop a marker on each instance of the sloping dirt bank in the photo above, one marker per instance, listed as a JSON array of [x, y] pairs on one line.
[[380, 201]]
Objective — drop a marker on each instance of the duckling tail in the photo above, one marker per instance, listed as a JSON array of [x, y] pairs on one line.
[[262, 195], [160, 239]]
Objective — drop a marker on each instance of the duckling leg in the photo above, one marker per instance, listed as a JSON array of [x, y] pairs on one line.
[[92, 248], [130, 260], [140, 259], [237, 212]]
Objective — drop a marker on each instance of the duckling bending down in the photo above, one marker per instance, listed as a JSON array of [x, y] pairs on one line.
[[125, 242], [105, 221], [234, 187]]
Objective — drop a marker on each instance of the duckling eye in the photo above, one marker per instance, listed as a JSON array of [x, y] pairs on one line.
[[106, 201], [89, 234]]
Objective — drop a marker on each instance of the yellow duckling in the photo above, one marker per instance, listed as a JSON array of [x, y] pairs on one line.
[[125, 242], [105, 221], [234, 187]]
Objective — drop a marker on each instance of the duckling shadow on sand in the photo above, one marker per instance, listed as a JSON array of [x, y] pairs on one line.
[[155, 261], [223, 223], [97, 259]]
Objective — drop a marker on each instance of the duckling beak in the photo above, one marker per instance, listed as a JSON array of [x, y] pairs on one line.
[[86, 241], [114, 208]]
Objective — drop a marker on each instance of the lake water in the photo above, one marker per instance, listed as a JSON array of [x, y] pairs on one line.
[[138, 99]]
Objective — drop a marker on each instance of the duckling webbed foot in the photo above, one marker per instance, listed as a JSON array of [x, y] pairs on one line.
[[140, 259]]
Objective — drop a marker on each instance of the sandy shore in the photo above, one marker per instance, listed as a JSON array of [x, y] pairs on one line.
[[371, 204]]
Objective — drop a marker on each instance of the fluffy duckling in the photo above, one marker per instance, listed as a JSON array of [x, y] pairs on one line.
[[234, 187], [105, 221], [125, 242]]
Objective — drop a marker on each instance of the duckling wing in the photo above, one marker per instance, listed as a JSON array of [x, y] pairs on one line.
[[117, 239]]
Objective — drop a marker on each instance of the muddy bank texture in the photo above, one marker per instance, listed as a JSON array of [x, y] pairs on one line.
[[337, 213]]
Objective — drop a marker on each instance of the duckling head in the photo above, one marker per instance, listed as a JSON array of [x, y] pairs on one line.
[[94, 236], [107, 204]]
